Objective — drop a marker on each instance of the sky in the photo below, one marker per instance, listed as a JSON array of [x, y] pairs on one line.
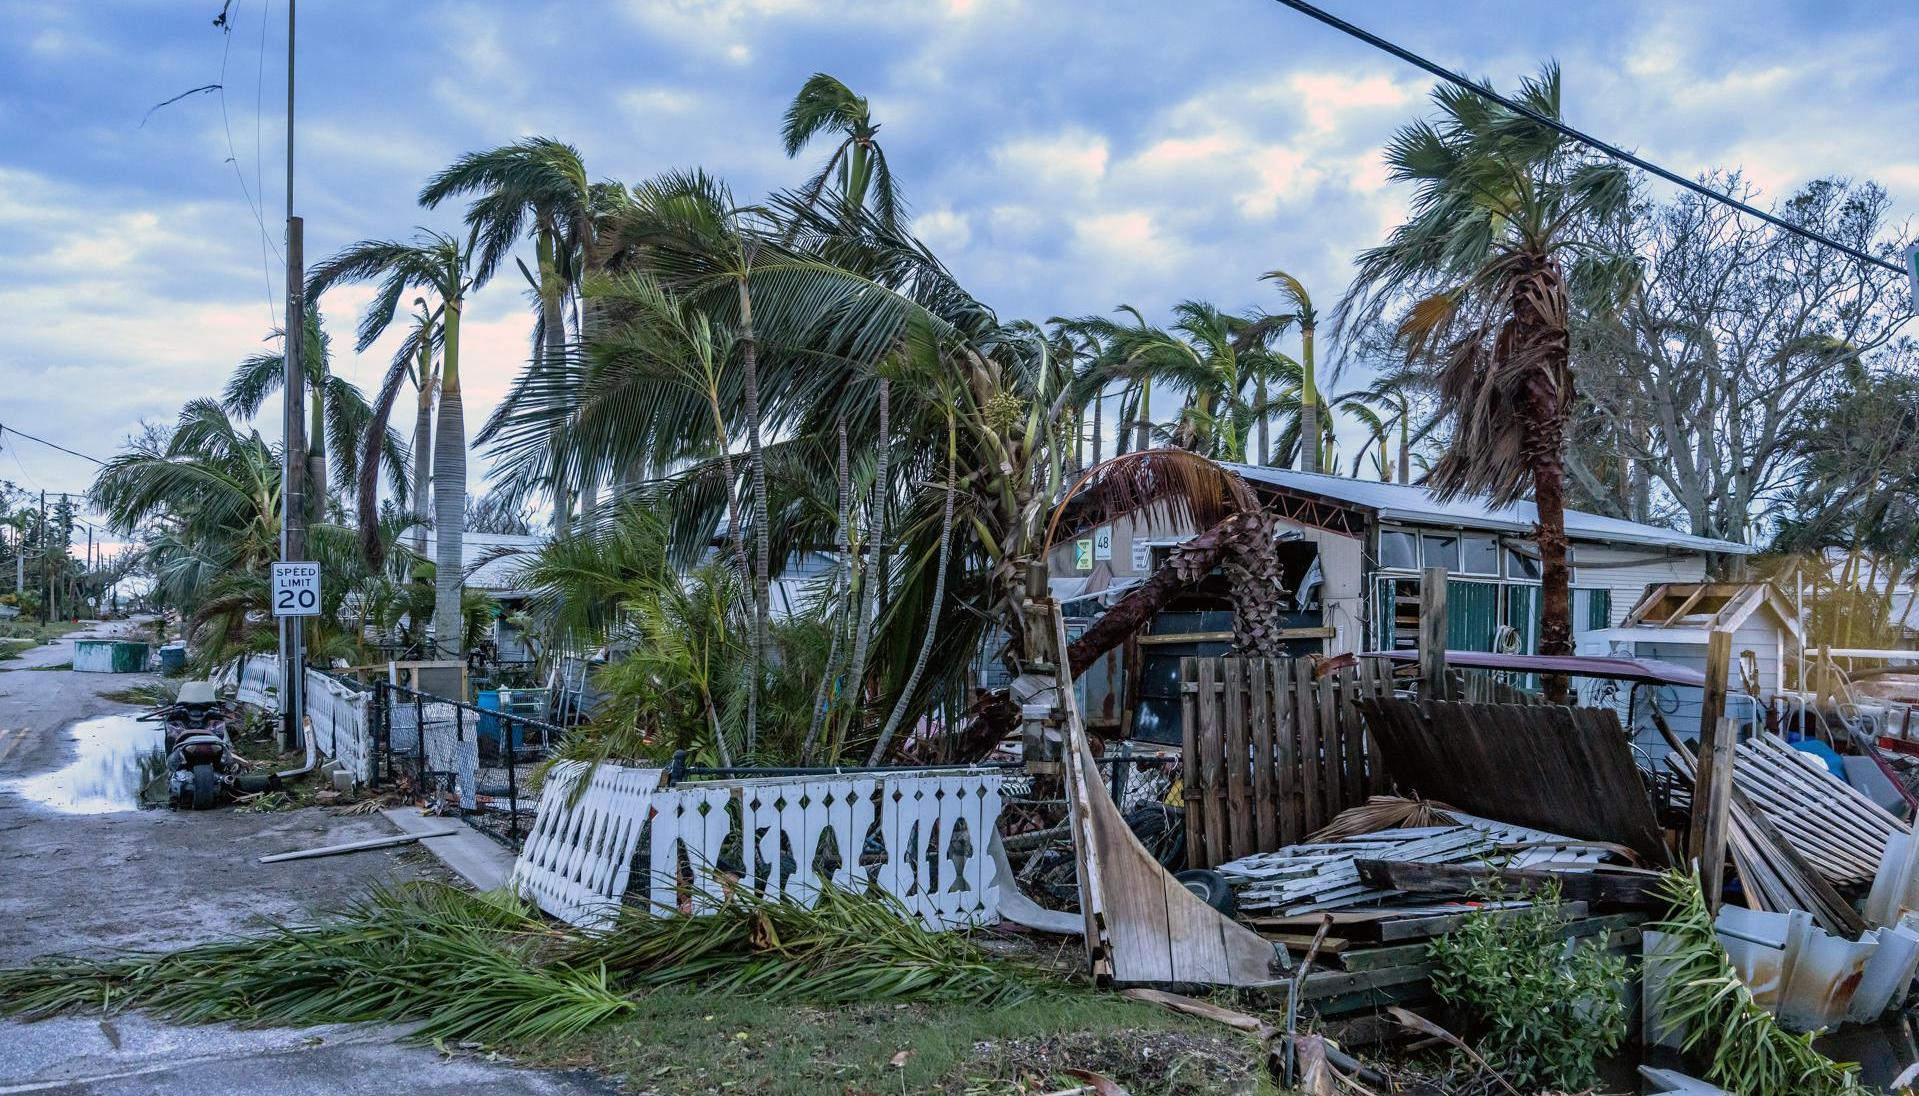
[[1062, 158]]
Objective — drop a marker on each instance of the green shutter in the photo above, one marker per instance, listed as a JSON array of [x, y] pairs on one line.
[[1385, 604], [1599, 610], [1472, 615]]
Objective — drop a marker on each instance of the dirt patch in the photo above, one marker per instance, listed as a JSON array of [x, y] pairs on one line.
[[1143, 1061]]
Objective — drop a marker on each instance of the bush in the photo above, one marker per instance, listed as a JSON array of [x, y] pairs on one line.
[[1543, 1008]]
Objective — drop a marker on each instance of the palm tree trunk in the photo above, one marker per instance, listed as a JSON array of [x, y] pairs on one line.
[[762, 508], [1145, 425], [939, 599], [1259, 393], [423, 450], [1405, 445], [842, 586], [875, 550], [1099, 428], [449, 496], [1309, 440]]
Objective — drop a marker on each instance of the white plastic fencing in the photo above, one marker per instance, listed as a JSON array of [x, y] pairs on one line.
[[336, 712], [784, 837]]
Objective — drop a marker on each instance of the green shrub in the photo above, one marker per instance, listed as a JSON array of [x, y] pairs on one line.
[[1543, 1008]]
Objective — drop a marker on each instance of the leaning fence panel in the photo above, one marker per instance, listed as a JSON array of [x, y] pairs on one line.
[[918, 836]]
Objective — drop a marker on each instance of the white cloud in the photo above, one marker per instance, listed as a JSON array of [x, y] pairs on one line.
[[944, 230]]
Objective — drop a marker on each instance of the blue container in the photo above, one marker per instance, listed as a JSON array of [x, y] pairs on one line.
[[488, 700], [173, 658]]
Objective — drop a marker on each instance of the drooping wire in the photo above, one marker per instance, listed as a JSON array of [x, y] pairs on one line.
[[1583, 138], [268, 251]]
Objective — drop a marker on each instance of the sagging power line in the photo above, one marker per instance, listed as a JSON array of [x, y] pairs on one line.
[[4, 429], [1583, 138]]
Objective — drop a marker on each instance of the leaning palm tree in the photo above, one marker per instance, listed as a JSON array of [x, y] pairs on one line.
[[1500, 200], [441, 264], [337, 411], [1305, 317], [858, 164]]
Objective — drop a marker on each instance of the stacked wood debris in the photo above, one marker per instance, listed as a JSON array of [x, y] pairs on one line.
[[1839, 830], [1307, 878]]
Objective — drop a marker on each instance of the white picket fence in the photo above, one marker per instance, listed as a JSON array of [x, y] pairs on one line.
[[780, 837], [336, 712]]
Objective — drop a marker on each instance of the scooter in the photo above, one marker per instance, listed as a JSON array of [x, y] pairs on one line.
[[201, 764]]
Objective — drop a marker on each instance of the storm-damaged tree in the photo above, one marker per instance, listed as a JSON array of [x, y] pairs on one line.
[[440, 264], [1500, 202], [858, 164]]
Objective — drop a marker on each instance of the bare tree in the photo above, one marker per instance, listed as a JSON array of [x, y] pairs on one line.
[[1696, 390]]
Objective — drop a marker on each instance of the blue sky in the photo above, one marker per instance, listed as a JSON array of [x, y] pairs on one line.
[[1062, 157]]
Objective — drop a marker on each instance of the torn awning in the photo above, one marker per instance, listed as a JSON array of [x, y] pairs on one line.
[[1645, 671]]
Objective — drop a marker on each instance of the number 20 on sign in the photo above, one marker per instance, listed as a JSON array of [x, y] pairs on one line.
[[296, 589]]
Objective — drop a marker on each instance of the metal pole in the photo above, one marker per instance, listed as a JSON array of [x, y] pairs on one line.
[[46, 600]]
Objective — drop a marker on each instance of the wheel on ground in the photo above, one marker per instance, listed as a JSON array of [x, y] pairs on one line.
[[1210, 887], [206, 787]]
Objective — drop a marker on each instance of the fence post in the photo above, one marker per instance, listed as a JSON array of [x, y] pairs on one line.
[[512, 784], [419, 739], [1432, 634]]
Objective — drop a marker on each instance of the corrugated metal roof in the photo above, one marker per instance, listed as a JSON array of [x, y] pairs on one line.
[[492, 559], [1413, 503]]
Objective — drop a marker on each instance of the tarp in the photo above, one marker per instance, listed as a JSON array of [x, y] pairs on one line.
[[1646, 671]]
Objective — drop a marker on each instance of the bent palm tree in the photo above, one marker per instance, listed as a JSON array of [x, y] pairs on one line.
[[1306, 318], [338, 413], [824, 105], [439, 263], [1499, 199]]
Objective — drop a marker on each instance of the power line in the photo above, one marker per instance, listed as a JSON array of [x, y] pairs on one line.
[[51, 445], [1588, 140]]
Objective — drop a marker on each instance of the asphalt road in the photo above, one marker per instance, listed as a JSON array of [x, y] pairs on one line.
[[119, 877]]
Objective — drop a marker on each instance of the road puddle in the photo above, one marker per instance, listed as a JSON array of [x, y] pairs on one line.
[[116, 758]]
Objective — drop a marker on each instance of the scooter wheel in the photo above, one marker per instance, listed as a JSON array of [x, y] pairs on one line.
[[206, 787]]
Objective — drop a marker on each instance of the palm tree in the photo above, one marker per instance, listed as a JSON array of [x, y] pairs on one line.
[[1499, 199], [535, 188], [436, 262], [1305, 317], [338, 412], [858, 164]]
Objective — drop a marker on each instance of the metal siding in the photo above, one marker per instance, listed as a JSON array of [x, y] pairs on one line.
[[1472, 615]]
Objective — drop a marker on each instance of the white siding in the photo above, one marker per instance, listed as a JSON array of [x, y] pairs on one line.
[[1629, 582]]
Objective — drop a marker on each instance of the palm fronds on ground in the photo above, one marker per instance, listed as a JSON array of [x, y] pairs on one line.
[[486, 968]]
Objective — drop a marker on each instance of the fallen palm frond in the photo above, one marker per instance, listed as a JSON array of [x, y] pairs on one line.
[[846, 948], [486, 968], [1751, 1055], [466, 965], [1384, 812]]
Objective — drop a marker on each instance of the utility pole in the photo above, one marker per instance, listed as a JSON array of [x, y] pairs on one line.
[[293, 512], [46, 587]]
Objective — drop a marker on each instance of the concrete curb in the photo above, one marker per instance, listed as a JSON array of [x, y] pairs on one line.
[[483, 862]]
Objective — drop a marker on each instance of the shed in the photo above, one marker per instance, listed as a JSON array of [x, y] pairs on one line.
[[1673, 621]]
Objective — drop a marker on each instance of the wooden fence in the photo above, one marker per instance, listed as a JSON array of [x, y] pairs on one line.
[[1271, 753]]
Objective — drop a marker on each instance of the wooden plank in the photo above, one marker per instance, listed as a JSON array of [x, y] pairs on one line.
[[1352, 737], [1211, 766], [1292, 813], [1432, 634], [1712, 787], [1239, 791], [1265, 807], [1305, 708], [1413, 928], [1584, 886], [1191, 782], [1332, 749]]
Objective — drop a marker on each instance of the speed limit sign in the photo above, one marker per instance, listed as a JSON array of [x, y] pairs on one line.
[[296, 589]]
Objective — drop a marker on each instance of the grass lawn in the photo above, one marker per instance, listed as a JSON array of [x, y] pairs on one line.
[[32, 633], [687, 1043]]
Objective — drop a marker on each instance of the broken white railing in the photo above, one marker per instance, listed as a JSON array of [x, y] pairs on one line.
[[336, 712], [919, 835]]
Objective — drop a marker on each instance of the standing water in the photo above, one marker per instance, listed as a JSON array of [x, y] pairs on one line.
[[116, 758]]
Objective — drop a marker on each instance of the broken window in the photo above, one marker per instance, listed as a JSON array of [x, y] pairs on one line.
[[1398, 550]]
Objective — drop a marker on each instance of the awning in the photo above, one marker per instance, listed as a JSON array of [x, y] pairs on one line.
[[1646, 671]]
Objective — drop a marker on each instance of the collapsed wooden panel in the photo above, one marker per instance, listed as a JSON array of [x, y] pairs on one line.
[[1143, 927], [1271, 752], [1568, 770]]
